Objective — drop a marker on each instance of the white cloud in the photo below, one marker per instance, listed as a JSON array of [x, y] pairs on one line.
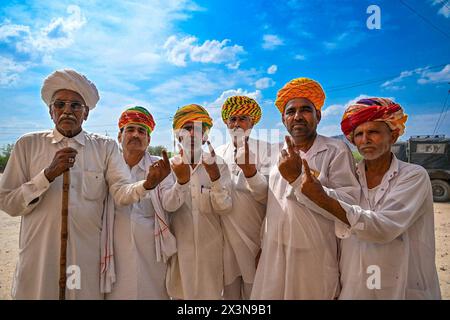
[[58, 34], [445, 9], [178, 51], [272, 69], [264, 83], [271, 41], [235, 92], [188, 89], [435, 77], [37, 44], [8, 30], [426, 76], [9, 71], [106, 42], [300, 57], [330, 130], [333, 110], [403, 74], [424, 124]]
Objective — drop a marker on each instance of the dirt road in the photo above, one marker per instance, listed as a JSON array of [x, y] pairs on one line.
[[9, 238]]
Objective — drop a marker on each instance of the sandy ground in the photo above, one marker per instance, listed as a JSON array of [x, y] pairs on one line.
[[9, 243]]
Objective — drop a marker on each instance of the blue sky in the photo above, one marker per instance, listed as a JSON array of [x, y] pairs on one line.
[[165, 54]]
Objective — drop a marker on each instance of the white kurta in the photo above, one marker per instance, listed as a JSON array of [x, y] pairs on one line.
[[299, 257], [26, 192], [138, 273], [242, 226], [196, 271], [393, 229]]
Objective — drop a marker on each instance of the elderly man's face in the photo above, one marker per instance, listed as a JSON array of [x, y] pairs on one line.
[[374, 139], [192, 135], [239, 126], [134, 138], [300, 118], [68, 111]]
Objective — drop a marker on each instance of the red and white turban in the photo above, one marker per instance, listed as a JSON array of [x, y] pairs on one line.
[[373, 109]]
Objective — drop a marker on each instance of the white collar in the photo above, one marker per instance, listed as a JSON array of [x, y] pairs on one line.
[[57, 137]]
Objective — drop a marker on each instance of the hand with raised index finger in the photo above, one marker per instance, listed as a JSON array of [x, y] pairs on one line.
[[181, 167], [311, 186], [290, 162], [210, 164], [245, 159], [157, 172]]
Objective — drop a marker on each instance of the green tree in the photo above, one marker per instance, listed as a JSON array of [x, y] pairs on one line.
[[5, 154], [156, 151], [357, 156]]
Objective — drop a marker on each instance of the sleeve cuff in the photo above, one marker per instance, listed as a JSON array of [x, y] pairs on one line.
[[353, 214], [39, 184], [257, 180], [216, 186], [182, 187], [297, 183], [141, 190]]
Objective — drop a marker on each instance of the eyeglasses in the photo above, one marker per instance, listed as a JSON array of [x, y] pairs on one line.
[[74, 105]]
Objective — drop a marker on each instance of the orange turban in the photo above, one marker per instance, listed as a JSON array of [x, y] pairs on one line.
[[300, 88]]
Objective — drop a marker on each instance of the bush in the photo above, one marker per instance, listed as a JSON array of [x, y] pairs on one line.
[[4, 156], [357, 156], [156, 151]]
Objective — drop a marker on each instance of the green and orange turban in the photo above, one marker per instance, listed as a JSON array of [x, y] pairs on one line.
[[373, 109], [191, 113], [300, 88], [137, 115], [241, 105]]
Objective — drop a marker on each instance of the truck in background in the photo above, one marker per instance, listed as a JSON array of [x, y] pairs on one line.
[[433, 153]]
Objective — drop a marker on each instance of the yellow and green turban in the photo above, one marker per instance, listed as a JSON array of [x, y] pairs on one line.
[[137, 115], [241, 105], [193, 113], [300, 88]]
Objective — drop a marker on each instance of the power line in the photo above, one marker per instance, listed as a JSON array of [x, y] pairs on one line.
[[425, 19], [374, 80], [442, 114]]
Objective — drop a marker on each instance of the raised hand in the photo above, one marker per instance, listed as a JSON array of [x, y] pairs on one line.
[[157, 172], [290, 162], [245, 159], [311, 186], [181, 168], [63, 160], [210, 164]]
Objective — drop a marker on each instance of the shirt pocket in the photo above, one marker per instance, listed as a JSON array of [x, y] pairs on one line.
[[205, 200], [93, 185]]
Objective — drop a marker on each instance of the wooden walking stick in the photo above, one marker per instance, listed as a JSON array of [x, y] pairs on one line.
[[64, 235]]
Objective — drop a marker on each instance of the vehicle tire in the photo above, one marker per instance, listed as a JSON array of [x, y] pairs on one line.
[[441, 190]]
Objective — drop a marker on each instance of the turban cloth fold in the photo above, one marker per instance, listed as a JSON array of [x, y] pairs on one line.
[[300, 88], [191, 112], [70, 80], [137, 115], [241, 105], [373, 109]]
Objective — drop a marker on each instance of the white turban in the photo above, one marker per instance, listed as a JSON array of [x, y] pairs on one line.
[[70, 80]]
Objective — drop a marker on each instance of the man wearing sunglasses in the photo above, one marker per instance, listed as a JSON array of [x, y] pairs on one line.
[[31, 187]]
